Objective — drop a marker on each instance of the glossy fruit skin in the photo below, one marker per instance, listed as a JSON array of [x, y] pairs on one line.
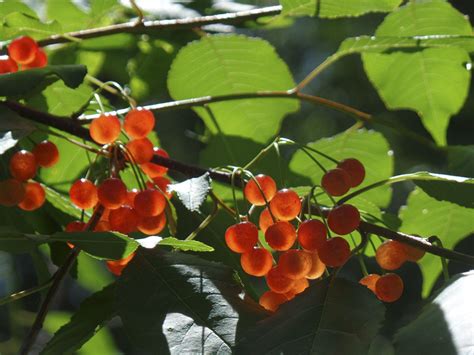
[[34, 197], [152, 225], [46, 154], [317, 266], [265, 220], [254, 195], [7, 65], [149, 203], [281, 236], [83, 193], [23, 165], [23, 49], [123, 219], [390, 255], [241, 237], [257, 262], [343, 219], [12, 192], [369, 281], [271, 301], [141, 150], [335, 252], [295, 264], [139, 123], [285, 205], [277, 282], [112, 193], [336, 182], [412, 253], [389, 288], [40, 61], [105, 129], [154, 170], [131, 194], [354, 169], [312, 234], [116, 266], [162, 182]]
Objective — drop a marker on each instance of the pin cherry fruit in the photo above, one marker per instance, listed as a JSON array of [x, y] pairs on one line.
[[285, 205], [271, 301], [312, 234], [23, 165], [336, 182], [343, 219], [83, 193], [354, 169], [105, 129], [295, 264], [34, 197], [23, 49], [7, 65], [139, 123], [253, 193], [281, 236], [335, 252], [256, 262], [241, 237], [12, 192], [46, 154], [390, 255], [277, 282], [389, 287], [112, 193], [369, 281]]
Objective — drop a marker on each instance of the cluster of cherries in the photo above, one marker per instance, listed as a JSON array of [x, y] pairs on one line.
[[20, 190], [125, 210], [23, 53]]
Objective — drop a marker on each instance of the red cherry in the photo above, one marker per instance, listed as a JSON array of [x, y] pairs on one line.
[[285, 205], [83, 193], [40, 61], [12, 192], [105, 129], [241, 237], [116, 266], [162, 184], [130, 201], [343, 219], [354, 169], [265, 220], [141, 150], [317, 266], [390, 255], [389, 287], [103, 226], [154, 170], [34, 197], [271, 301], [295, 264], [139, 123], [23, 165], [112, 193], [281, 236], [152, 225], [7, 65], [75, 226], [369, 281], [46, 154], [254, 195], [335, 252], [257, 262], [150, 203], [123, 219], [312, 234], [23, 49], [277, 282], [336, 182]]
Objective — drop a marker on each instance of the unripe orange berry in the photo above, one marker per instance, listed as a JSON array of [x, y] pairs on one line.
[[23, 165], [105, 129], [336, 182], [317, 266], [12, 192], [83, 194], [139, 123], [369, 281], [241, 237], [277, 282], [112, 193], [154, 170], [152, 225], [141, 150], [343, 219], [285, 205], [40, 61], [34, 197], [254, 195], [354, 169], [335, 252], [281, 236], [271, 301], [116, 266], [389, 287], [46, 154], [150, 203], [23, 49], [256, 262], [312, 234], [390, 255], [295, 264], [265, 220], [7, 65], [123, 219]]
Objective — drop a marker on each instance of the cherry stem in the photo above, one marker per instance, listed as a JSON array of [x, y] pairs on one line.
[[206, 221]]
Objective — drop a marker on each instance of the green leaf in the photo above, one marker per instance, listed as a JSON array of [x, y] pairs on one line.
[[461, 160], [331, 317], [192, 192], [67, 14], [16, 24], [171, 283], [22, 82], [425, 216], [369, 147], [93, 313], [186, 245], [230, 64], [444, 326], [12, 129], [8, 7], [433, 82]]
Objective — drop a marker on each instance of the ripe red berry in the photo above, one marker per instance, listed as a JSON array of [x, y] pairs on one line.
[[23, 165], [317, 266], [139, 123], [83, 194], [112, 193], [256, 262], [141, 150], [105, 129], [34, 197], [149, 203], [123, 219], [277, 282], [335, 252], [46, 154], [336, 182], [40, 61], [298, 287], [7, 65], [103, 226], [369, 281], [162, 184], [154, 170], [281, 235], [390, 255], [152, 225], [412, 253], [265, 220], [344, 219], [75, 226], [354, 169], [241, 237], [295, 264], [254, 195], [312, 234], [285, 205], [23, 49], [12, 192], [116, 266], [389, 287], [271, 301]]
